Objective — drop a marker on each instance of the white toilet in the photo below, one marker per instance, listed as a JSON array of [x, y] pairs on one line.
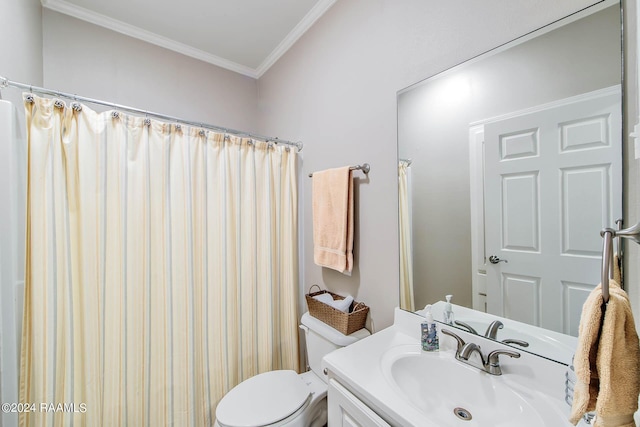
[[285, 398]]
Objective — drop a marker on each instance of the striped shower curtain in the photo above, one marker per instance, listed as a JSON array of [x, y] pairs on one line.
[[407, 301], [161, 267]]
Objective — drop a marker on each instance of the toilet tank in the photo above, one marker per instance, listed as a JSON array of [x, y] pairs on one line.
[[321, 339]]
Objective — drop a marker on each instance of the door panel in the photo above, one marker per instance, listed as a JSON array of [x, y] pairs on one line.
[[523, 295], [520, 210], [553, 179], [584, 201], [574, 295]]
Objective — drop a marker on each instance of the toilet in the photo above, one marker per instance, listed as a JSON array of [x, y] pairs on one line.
[[285, 398]]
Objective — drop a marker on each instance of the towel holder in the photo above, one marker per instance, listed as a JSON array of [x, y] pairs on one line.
[[365, 167], [608, 234]]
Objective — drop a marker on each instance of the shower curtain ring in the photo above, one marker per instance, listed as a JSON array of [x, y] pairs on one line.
[[4, 82]]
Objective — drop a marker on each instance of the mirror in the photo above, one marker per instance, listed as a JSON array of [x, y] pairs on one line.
[[516, 155]]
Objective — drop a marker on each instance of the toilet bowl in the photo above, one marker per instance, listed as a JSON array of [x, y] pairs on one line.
[[284, 398]]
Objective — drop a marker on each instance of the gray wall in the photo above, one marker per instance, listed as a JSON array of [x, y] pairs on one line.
[[21, 55], [86, 59], [335, 89], [433, 131]]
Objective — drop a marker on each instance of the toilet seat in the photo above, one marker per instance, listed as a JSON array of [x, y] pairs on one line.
[[263, 399]]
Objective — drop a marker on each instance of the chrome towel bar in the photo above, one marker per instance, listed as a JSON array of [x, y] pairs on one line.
[[365, 167], [608, 234]]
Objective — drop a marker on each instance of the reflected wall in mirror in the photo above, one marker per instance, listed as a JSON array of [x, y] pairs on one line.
[[514, 154]]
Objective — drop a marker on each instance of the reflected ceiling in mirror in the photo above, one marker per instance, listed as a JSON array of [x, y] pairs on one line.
[[488, 143]]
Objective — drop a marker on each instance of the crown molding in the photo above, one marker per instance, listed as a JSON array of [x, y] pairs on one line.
[[87, 15], [104, 21], [309, 19]]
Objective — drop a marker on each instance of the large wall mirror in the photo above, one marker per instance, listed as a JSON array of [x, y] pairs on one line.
[[509, 165]]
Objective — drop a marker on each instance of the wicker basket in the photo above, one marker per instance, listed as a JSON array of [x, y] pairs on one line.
[[347, 323]]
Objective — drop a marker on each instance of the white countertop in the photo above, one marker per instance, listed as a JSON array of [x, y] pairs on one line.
[[358, 367]]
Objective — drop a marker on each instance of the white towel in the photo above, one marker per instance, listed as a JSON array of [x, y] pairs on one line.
[[339, 304], [325, 298], [343, 304]]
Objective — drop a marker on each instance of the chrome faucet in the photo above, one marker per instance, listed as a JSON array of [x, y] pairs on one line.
[[492, 330], [469, 348], [457, 338], [490, 364]]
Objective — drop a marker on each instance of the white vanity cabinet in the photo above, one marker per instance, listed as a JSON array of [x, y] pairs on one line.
[[346, 410]]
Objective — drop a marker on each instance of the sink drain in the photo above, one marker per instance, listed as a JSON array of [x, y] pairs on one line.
[[463, 414]]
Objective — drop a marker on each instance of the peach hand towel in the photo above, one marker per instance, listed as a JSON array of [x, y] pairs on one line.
[[333, 219], [607, 361]]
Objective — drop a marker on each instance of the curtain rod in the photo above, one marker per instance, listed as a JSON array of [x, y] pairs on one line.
[[4, 82]]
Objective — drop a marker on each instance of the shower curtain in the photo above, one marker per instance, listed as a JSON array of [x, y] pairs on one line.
[[161, 267], [406, 250]]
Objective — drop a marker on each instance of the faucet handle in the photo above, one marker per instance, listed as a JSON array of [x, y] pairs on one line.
[[457, 338], [515, 341], [493, 356], [493, 361], [466, 326]]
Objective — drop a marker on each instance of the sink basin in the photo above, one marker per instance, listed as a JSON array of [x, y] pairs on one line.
[[451, 393]]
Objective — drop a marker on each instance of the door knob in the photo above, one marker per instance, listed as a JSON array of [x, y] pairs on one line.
[[494, 259]]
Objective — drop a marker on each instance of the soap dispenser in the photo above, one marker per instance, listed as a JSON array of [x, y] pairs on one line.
[[448, 311], [429, 332]]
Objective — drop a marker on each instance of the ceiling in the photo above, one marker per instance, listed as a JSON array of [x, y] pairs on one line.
[[245, 36]]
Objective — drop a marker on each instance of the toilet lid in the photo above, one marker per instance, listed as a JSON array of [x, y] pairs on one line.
[[263, 399]]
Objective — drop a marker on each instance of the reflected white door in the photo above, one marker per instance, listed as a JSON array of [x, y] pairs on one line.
[[553, 180]]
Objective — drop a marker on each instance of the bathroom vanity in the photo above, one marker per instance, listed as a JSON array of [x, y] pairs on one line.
[[387, 380]]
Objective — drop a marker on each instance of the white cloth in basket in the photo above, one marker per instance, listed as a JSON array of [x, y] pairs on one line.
[[339, 304]]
